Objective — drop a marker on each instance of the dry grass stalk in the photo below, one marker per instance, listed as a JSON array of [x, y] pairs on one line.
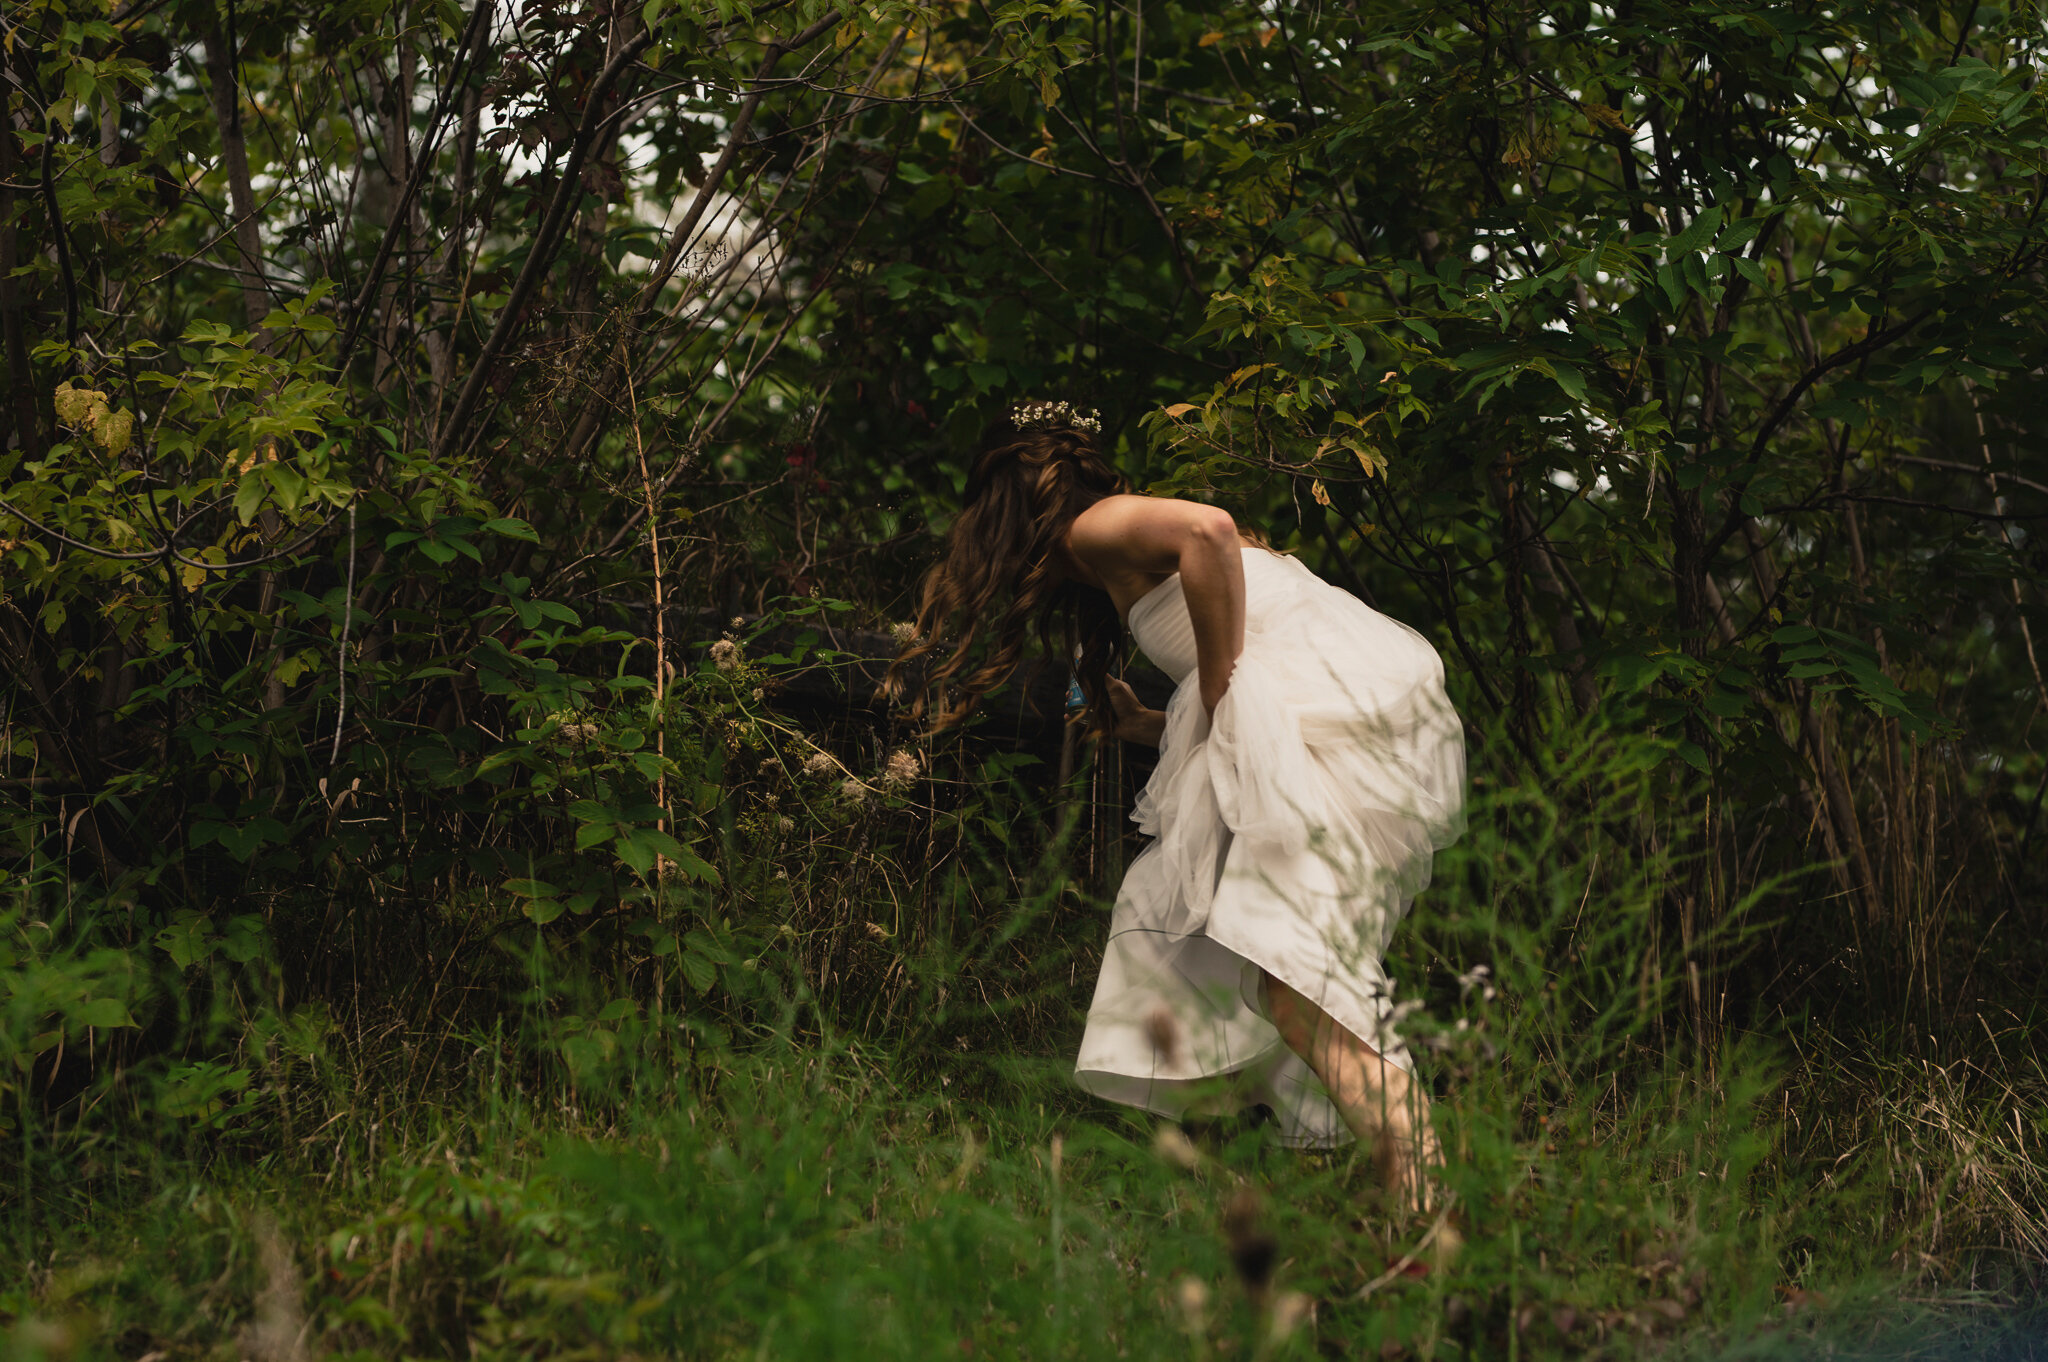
[[277, 1331]]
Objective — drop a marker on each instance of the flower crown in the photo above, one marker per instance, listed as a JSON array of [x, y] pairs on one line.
[[1054, 416]]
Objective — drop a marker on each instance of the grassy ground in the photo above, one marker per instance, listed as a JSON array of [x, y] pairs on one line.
[[811, 1203], [667, 1142]]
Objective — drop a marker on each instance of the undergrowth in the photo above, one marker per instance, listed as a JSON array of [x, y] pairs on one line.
[[689, 1136], [808, 1202]]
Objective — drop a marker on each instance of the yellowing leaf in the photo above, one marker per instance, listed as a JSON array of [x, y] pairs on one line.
[[1242, 374], [78, 406], [1180, 409], [1322, 493], [1266, 36], [1209, 40], [1600, 116], [115, 429]]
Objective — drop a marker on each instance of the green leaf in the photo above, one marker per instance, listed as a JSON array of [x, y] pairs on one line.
[[703, 943], [511, 528], [244, 842], [245, 939], [103, 1012], [1739, 234], [1696, 235], [187, 940], [1727, 704], [1673, 284], [249, 496]]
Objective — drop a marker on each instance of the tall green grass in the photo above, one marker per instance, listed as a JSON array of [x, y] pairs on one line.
[[804, 1204], [736, 1156]]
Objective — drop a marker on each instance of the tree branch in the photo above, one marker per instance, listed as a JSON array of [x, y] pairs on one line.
[[1871, 343], [541, 254], [430, 143]]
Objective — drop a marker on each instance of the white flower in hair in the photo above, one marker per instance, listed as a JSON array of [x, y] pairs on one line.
[[1054, 416]]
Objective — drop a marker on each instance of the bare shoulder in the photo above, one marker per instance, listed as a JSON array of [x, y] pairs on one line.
[[1141, 533]]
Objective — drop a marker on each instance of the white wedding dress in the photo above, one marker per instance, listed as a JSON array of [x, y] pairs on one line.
[[1291, 833]]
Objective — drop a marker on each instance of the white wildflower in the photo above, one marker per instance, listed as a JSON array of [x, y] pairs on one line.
[[902, 770], [1170, 1144], [1477, 977], [904, 632], [725, 654], [819, 764], [1290, 1309]]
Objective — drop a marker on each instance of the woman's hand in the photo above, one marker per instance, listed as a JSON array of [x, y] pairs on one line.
[[1134, 722]]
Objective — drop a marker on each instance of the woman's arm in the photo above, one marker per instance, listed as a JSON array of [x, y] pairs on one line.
[[1135, 722], [1139, 537]]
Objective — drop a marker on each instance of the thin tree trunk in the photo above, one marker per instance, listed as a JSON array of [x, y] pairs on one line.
[[660, 615], [446, 308], [2005, 533], [394, 117], [227, 115], [234, 151], [1522, 685], [21, 397], [1540, 560]]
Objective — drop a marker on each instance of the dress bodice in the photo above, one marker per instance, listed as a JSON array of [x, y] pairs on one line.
[[1165, 632]]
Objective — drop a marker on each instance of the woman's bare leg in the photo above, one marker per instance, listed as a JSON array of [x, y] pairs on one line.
[[1384, 1107]]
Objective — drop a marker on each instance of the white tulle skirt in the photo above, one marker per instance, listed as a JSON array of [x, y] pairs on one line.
[[1291, 835]]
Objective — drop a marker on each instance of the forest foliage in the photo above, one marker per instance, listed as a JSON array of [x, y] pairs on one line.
[[456, 461]]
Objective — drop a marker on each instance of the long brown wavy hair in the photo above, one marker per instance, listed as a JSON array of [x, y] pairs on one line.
[[998, 578]]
